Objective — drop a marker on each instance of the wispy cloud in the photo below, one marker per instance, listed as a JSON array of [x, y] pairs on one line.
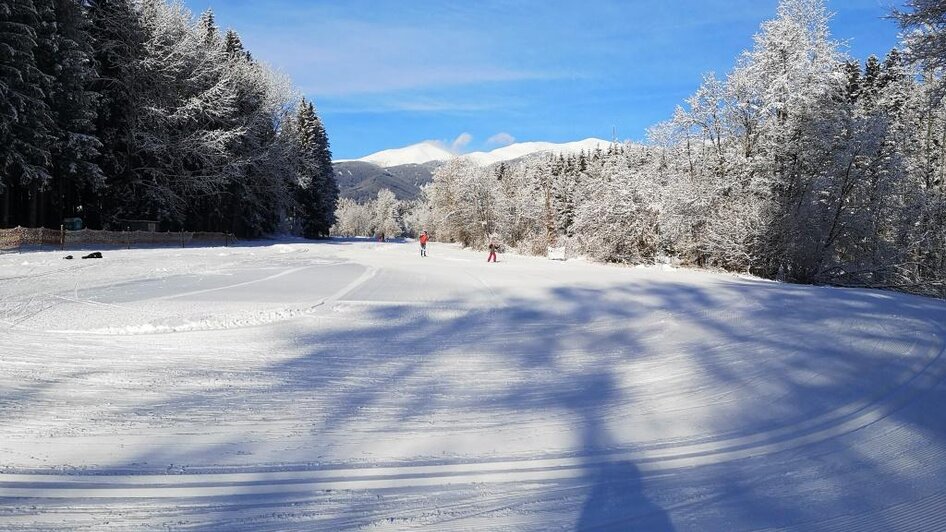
[[500, 139], [460, 143], [336, 55]]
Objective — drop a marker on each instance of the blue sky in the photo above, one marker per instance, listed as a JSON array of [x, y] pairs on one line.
[[477, 74]]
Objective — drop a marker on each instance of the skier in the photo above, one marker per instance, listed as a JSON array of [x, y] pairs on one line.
[[493, 247], [423, 244]]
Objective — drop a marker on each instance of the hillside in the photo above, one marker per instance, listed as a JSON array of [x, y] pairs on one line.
[[361, 181]]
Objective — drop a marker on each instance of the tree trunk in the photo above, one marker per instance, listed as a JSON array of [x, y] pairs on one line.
[[33, 215], [5, 213]]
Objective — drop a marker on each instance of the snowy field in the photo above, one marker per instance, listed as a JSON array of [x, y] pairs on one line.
[[354, 385]]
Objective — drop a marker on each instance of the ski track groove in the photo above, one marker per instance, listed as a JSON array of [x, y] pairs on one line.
[[300, 495]]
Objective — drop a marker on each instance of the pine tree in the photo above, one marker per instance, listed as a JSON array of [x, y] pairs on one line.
[[318, 190], [872, 82], [67, 58], [258, 187], [118, 42], [207, 26], [27, 124], [852, 70], [893, 86], [329, 187], [133, 109], [234, 46]]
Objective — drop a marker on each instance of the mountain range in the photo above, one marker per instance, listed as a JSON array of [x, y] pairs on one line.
[[405, 170]]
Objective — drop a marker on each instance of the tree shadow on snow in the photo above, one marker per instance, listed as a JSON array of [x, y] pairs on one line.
[[616, 501], [579, 357]]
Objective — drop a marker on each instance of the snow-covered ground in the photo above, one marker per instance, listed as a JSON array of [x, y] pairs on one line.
[[355, 385]]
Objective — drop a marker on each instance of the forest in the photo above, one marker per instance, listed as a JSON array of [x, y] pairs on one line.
[[801, 164], [119, 110]]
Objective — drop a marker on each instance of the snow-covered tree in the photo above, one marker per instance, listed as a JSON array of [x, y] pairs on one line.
[[799, 164], [128, 109], [924, 22], [353, 219], [68, 59], [318, 191], [386, 220], [27, 124]]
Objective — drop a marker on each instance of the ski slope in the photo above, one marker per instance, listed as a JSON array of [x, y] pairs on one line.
[[354, 385]]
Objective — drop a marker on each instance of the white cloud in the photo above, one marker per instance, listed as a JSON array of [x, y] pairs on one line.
[[501, 139], [461, 142], [343, 57]]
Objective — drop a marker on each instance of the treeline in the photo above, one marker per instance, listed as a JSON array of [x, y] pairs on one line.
[[801, 164], [383, 216], [115, 110]]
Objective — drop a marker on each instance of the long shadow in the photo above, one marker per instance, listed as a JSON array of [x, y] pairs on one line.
[[616, 501], [615, 492], [560, 357]]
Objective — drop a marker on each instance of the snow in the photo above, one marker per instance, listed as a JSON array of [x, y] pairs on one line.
[[523, 149], [421, 153], [352, 384], [426, 152]]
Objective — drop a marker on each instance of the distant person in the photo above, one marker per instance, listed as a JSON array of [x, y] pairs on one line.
[[493, 248], [423, 244]]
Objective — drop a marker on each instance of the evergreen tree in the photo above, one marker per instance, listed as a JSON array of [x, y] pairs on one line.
[[234, 46], [257, 192], [894, 86], [852, 71], [124, 109], [118, 41], [872, 82], [27, 125], [318, 190], [207, 26], [67, 58]]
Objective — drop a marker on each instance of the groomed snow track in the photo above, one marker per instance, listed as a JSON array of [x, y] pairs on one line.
[[352, 385]]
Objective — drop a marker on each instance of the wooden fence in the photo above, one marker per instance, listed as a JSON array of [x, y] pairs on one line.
[[19, 237]]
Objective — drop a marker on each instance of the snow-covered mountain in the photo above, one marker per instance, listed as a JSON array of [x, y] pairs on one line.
[[524, 149], [426, 152]]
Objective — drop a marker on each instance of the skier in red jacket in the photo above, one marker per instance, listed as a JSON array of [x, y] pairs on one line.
[[423, 244]]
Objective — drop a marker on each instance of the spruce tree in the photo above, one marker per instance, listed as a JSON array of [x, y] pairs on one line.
[[872, 74], [208, 28], [234, 46], [118, 42], [67, 59], [852, 71], [26, 122], [318, 191]]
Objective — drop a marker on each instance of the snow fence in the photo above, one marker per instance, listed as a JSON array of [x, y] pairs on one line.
[[19, 237]]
